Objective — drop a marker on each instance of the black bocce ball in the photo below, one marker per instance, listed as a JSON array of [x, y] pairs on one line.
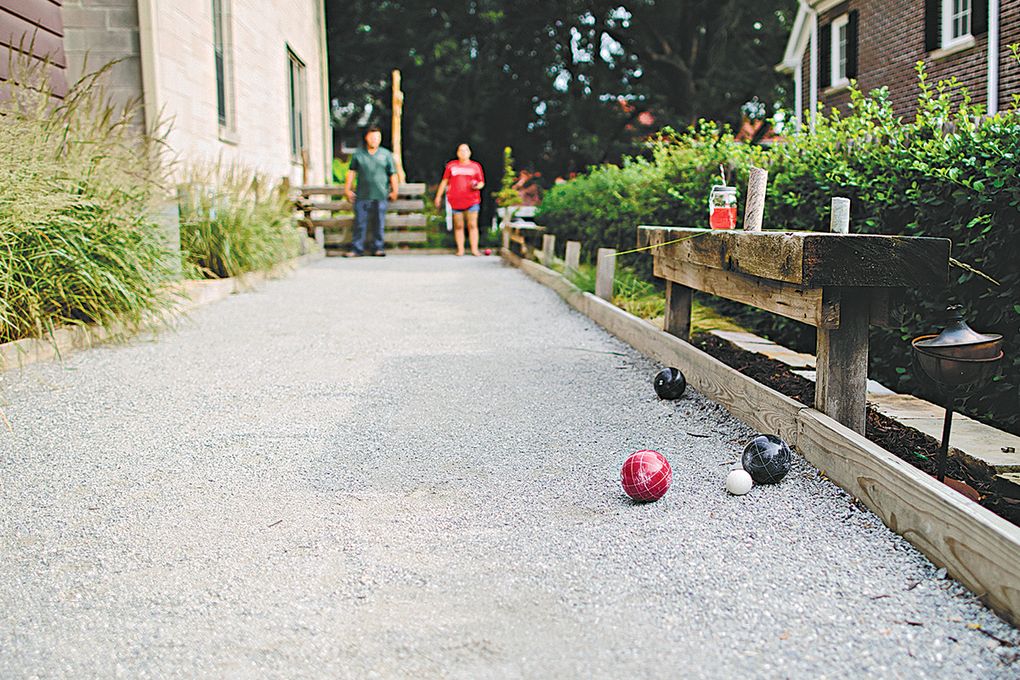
[[767, 459], [670, 383]]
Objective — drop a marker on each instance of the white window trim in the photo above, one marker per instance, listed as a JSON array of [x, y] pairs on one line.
[[952, 45], [227, 132], [837, 81], [302, 100]]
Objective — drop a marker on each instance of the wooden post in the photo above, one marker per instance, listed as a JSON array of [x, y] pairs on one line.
[[506, 238], [841, 383], [573, 256], [605, 270], [548, 249], [839, 221], [398, 112], [677, 320], [320, 237], [754, 208]]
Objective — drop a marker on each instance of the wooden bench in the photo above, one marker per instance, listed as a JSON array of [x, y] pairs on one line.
[[405, 219]]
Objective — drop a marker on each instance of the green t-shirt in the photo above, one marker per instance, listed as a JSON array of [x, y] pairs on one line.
[[374, 171]]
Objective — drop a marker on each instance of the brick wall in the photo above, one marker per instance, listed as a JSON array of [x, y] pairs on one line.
[[1009, 67], [891, 42]]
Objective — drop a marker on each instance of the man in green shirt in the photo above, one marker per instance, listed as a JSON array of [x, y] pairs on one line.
[[375, 171]]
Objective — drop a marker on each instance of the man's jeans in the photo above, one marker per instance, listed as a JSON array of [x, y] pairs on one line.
[[363, 210]]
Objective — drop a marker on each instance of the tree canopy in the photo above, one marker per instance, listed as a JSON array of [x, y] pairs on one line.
[[566, 83]]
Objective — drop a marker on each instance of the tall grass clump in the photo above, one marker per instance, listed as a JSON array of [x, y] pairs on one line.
[[235, 220], [78, 179]]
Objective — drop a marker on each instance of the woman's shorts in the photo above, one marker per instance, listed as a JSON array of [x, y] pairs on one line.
[[475, 208]]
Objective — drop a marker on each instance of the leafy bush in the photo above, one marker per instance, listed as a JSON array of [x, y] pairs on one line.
[[950, 173], [235, 220], [78, 179]]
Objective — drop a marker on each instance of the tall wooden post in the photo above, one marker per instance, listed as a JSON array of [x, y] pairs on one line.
[[398, 112]]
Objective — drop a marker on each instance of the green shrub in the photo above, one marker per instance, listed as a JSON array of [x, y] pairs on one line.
[[950, 173], [235, 220], [78, 181]]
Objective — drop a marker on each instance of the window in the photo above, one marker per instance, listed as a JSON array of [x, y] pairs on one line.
[[956, 20], [296, 88], [840, 49], [224, 65], [837, 51], [951, 26]]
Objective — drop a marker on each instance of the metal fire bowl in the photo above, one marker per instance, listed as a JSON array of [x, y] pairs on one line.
[[955, 372], [989, 349]]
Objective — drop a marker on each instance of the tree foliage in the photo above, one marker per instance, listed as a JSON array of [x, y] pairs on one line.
[[566, 83]]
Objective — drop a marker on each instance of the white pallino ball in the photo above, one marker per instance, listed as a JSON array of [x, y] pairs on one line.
[[738, 482]]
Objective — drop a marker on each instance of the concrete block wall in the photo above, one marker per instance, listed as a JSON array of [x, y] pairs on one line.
[[97, 32]]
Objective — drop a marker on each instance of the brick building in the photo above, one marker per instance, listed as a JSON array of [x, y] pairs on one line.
[[239, 80], [879, 42]]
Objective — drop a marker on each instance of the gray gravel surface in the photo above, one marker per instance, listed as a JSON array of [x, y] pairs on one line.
[[409, 468]]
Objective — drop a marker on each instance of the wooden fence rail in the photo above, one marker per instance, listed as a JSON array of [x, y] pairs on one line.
[[838, 283]]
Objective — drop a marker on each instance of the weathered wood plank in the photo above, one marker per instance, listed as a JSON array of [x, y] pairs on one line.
[[977, 547], [870, 260], [398, 206], [345, 221], [772, 256], [335, 239], [841, 355], [794, 302], [810, 259], [409, 190]]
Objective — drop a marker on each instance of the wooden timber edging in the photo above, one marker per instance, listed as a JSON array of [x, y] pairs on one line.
[[191, 293], [976, 546]]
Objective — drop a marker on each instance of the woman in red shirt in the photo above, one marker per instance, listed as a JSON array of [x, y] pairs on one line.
[[463, 181]]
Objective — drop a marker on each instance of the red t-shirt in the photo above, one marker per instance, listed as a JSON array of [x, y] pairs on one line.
[[461, 178]]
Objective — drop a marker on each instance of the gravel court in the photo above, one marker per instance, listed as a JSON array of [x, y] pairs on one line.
[[409, 468]]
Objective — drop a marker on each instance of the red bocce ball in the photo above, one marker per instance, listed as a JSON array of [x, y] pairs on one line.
[[646, 476]]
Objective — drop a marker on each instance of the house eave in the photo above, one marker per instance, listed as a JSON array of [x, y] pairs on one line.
[[797, 43]]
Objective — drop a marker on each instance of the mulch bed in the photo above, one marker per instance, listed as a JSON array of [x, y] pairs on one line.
[[917, 448]]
